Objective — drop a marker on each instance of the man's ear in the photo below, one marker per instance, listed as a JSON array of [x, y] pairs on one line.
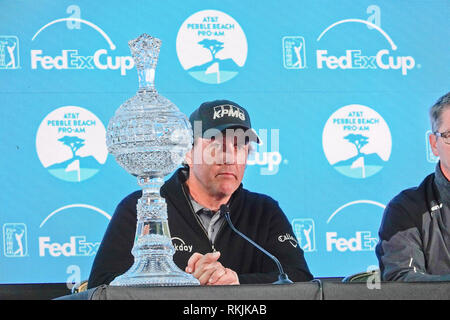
[[188, 157], [433, 140]]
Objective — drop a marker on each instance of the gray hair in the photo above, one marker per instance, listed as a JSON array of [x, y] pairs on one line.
[[436, 111]]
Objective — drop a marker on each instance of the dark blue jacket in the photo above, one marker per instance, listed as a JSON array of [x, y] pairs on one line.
[[415, 236], [256, 215]]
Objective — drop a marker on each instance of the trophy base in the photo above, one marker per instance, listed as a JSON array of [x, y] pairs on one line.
[[158, 272]]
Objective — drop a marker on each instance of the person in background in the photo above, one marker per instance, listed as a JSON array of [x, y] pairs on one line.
[[415, 231]]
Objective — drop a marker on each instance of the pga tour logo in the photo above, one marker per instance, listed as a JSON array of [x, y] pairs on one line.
[[294, 52], [304, 230], [211, 46], [9, 52], [385, 59], [71, 59], [15, 243]]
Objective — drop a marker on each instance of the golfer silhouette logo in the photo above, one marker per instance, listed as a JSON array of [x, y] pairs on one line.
[[9, 52], [15, 240], [305, 232], [294, 52]]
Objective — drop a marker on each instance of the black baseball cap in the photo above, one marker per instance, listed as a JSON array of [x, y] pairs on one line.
[[222, 115]]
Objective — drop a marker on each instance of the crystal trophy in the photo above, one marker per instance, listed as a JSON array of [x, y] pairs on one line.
[[149, 137]]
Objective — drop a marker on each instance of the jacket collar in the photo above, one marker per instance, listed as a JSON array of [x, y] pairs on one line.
[[442, 184], [433, 199]]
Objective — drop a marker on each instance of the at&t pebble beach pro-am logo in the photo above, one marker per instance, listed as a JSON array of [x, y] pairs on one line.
[[9, 52], [70, 143], [211, 46], [72, 58], [357, 141]]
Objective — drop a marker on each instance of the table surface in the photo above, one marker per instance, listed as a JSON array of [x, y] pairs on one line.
[[298, 291]]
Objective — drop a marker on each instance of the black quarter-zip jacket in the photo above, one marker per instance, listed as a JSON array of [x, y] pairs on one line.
[[415, 235], [257, 216]]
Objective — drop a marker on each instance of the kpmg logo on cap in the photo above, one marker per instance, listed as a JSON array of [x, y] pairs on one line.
[[211, 46], [357, 141], [9, 52], [228, 110], [71, 143], [73, 59]]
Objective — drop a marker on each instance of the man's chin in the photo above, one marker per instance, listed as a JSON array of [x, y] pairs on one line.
[[227, 189]]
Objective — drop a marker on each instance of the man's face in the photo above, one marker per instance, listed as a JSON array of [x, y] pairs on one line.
[[218, 165], [439, 147]]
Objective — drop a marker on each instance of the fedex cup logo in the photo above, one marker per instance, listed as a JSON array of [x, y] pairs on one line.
[[364, 238], [73, 59], [74, 245], [294, 56], [355, 59]]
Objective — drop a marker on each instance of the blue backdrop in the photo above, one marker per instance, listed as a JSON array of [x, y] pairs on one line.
[[338, 90]]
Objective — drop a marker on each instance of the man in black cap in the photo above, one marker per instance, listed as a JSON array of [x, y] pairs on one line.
[[205, 244]]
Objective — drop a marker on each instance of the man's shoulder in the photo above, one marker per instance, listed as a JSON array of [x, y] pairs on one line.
[[131, 199], [413, 200], [259, 198], [257, 195], [407, 209]]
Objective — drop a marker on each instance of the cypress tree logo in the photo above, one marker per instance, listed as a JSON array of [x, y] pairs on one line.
[[211, 46], [71, 143], [357, 141]]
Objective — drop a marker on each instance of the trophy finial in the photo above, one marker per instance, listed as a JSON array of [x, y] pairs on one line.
[[145, 50]]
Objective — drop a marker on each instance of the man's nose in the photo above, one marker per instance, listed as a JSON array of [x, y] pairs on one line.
[[229, 153]]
